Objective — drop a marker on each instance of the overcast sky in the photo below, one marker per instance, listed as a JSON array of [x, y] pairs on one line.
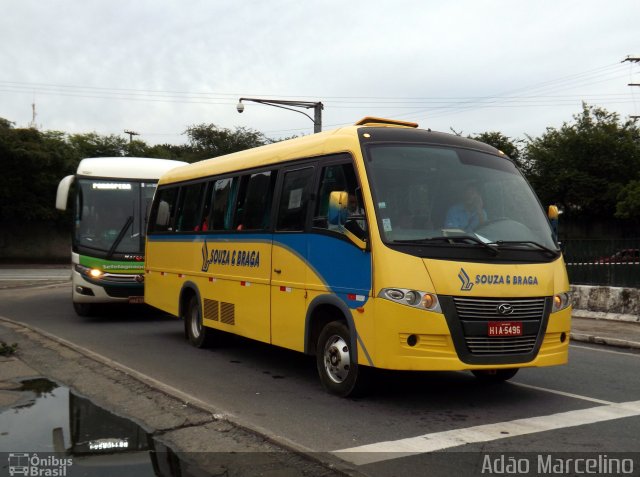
[[159, 66]]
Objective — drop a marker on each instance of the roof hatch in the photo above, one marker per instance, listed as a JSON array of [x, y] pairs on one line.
[[371, 121]]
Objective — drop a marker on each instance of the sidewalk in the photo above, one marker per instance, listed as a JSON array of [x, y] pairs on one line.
[[623, 334], [183, 436]]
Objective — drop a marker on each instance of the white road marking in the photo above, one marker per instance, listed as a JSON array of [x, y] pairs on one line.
[[381, 451], [562, 393], [600, 350]]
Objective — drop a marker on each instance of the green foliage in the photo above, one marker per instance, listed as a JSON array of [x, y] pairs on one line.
[[501, 142], [94, 145], [628, 206], [208, 140], [584, 166], [8, 349], [32, 162]]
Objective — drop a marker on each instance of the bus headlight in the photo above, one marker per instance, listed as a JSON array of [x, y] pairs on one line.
[[89, 272], [414, 298], [561, 301]]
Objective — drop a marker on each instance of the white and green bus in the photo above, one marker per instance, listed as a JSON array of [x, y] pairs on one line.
[[112, 198]]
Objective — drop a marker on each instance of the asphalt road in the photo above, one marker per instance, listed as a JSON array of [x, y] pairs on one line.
[[591, 405]]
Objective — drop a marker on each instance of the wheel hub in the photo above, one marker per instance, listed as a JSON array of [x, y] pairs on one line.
[[337, 359]]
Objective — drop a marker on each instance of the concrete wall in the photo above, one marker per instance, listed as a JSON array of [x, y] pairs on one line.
[[34, 242], [611, 303]]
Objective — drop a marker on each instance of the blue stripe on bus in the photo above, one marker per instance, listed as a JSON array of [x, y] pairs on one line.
[[343, 268]]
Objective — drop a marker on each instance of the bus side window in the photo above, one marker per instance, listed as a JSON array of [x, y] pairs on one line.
[[189, 208], [166, 202], [254, 201], [223, 203], [203, 224], [292, 210]]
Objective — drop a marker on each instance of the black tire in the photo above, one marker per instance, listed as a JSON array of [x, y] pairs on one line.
[[339, 373], [494, 375], [84, 309], [197, 334]]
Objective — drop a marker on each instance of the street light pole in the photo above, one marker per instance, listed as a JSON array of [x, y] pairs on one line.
[[284, 104]]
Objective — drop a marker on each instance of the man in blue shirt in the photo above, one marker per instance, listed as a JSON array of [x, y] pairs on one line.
[[469, 214]]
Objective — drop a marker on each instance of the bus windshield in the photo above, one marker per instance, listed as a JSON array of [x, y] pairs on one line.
[[446, 196], [111, 215]]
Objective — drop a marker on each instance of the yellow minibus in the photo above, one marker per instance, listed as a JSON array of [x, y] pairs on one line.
[[378, 245]]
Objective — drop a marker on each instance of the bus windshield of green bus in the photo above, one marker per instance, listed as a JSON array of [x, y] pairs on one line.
[[447, 196], [111, 215]]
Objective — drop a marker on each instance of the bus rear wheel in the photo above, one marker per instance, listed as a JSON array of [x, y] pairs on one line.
[[339, 373], [199, 335], [494, 375]]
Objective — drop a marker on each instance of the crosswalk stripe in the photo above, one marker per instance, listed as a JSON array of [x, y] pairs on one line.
[[381, 451]]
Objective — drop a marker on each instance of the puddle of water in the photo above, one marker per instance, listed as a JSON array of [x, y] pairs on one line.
[[52, 431], [60, 433]]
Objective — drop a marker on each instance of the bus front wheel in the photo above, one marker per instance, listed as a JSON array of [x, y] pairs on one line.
[[339, 373], [494, 375], [198, 335], [84, 309]]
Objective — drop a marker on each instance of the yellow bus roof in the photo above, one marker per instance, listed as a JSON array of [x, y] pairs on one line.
[[343, 139]]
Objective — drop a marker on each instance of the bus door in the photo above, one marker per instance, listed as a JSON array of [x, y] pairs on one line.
[[338, 250], [289, 265]]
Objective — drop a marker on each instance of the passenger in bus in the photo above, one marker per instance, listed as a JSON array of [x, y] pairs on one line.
[[204, 227], [469, 214], [355, 222]]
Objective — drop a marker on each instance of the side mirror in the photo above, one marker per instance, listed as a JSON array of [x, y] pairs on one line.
[[338, 202], [553, 213], [62, 194], [337, 218]]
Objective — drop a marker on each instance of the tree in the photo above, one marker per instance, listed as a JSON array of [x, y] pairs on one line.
[[208, 140], [33, 162], [628, 206], [95, 145], [584, 166], [504, 143]]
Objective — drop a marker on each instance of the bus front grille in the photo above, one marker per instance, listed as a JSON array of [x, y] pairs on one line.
[[117, 278], [469, 319], [124, 291], [482, 345], [487, 308]]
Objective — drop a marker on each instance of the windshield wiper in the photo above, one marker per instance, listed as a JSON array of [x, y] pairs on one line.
[[453, 239], [548, 250], [120, 236]]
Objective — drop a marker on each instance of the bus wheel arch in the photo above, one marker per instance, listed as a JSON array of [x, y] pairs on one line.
[[191, 312], [331, 336], [321, 311]]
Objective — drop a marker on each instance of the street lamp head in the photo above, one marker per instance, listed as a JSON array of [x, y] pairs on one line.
[[240, 107]]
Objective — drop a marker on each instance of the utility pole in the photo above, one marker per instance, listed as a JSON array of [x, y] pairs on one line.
[[633, 59], [33, 124], [131, 134]]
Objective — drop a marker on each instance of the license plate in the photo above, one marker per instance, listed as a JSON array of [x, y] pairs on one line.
[[505, 328], [136, 299]]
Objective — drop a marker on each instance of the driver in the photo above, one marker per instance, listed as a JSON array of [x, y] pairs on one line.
[[468, 214]]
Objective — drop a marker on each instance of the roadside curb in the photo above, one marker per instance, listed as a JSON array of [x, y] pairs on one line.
[[324, 459], [603, 340]]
